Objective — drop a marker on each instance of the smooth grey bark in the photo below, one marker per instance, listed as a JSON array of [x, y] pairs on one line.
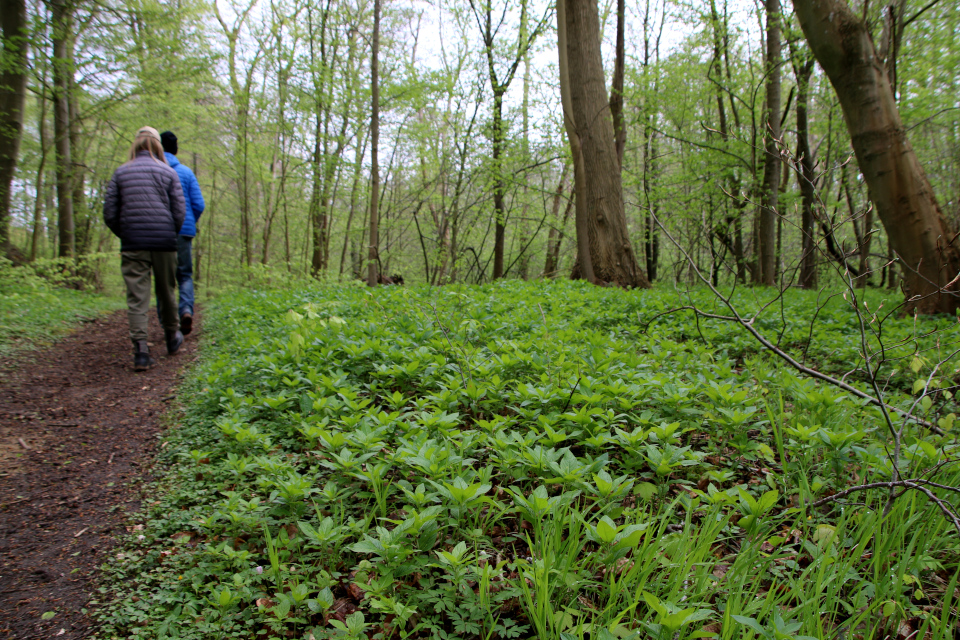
[[920, 236], [599, 202]]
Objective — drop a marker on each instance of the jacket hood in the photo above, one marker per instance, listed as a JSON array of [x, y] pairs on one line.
[[171, 159]]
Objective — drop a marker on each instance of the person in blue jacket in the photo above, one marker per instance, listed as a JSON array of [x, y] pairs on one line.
[[143, 205], [194, 205]]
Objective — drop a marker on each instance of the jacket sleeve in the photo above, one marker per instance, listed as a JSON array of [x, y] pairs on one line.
[[196, 198], [111, 206], [177, 206]]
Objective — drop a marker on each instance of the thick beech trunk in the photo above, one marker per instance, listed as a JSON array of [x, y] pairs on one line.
[[13, 86], [767, 226], [601, 219], [904, 198]]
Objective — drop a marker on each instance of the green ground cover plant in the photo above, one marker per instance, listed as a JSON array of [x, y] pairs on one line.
[[546, 460], [36, 310]]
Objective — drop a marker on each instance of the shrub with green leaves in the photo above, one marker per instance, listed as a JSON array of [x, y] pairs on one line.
[[36, 310], [523, 460]]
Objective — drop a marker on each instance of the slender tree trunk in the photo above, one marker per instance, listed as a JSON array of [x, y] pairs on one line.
[[373, 257], [524, 261], [616, 89], [651, 232], [601, 197], [316, 256], [81, 214], [499, 210], [13, 86], [862, 223], [354, 191], [557, 227], [499, 88], [39, 186], [919, 234], [865, 243], [767, 226], [807, 180], [62, 68]]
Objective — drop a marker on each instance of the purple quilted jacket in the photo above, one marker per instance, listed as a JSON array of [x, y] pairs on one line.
[[144, 205]]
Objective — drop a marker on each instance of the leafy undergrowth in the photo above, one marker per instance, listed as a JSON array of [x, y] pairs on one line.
[[33, 311], [524, 461]]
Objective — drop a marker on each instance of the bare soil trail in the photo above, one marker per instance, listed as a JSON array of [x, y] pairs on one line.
[[77, 426]]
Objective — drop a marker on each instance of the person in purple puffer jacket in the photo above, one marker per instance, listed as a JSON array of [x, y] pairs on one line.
[[144, 207], [194, 205]]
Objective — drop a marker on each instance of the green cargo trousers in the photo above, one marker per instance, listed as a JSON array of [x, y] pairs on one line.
[[135, 267]]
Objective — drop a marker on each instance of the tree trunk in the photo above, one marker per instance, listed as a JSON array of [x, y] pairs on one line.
[[499, 88], [600, 198], [919, 235], [860, 232], [354, 191], [807, 180], [62, 68], [557, 227], [767, 227], [83, 220], [38, 208], [373, 255], [865, 242], [13, 86], [584, 263], [616, 89], [651, 235], [499, 210]]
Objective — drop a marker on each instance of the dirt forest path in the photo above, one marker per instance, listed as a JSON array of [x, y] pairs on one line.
[[84, 425]]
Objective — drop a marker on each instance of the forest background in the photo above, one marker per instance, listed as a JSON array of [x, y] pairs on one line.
[[271, 102]]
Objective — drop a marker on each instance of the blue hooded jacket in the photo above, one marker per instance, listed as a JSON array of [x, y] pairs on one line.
[[191, 196]]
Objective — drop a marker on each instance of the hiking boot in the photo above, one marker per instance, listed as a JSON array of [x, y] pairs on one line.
[[174, 340], [186, 323], [141, 356]]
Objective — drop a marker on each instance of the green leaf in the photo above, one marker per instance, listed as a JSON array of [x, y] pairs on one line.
[[750, 622], [824, 534], [606, 530], [916, 364], [646, 491]]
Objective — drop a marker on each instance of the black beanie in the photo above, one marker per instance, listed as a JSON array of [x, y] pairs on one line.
[[169, 142]]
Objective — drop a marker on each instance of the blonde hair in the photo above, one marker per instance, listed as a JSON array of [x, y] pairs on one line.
[[148, 140]]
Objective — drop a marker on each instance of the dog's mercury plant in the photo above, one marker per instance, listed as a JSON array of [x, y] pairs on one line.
[[521, 461]]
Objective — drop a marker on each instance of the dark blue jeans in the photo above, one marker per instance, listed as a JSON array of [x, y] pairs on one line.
[[184, 275]]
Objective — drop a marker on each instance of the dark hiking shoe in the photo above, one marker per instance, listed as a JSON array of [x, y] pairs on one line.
[[174, 340], [186, 323], [141, 356]]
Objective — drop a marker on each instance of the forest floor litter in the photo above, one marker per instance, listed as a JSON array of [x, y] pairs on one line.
[[77, 427]]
